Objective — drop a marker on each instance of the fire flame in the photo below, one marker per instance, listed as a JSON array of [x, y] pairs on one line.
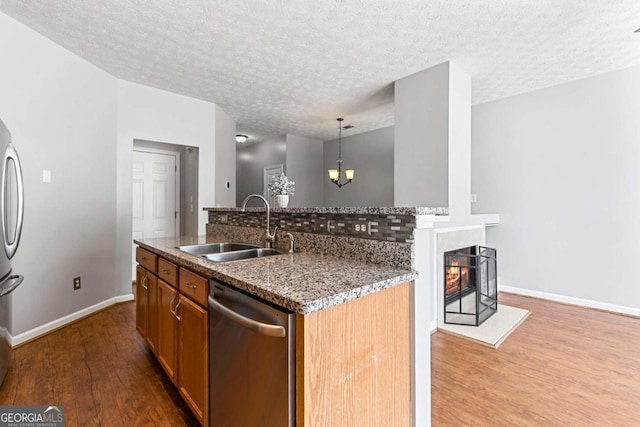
[[453, 273], [452, 277]]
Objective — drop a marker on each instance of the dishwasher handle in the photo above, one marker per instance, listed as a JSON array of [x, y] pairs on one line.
[[261, 328]]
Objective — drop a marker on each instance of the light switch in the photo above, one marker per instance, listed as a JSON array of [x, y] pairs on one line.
[[46, 175]]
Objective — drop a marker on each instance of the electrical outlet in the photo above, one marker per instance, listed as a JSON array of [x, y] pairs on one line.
[[474, 198], [360, 228], [76, 283], [224, 218]]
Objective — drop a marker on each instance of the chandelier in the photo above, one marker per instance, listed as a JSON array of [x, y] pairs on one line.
[[335, 174]]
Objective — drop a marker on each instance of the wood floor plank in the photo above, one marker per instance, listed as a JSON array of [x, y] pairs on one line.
[[564, 366], [101, 372]]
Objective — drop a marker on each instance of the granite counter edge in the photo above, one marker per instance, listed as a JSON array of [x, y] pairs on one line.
[[300, 307]]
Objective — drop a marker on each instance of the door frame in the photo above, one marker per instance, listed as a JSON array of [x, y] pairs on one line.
[[265, 193], [175, 154]]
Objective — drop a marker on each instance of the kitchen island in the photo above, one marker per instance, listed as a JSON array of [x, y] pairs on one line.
[[352, 318], [300, 282]]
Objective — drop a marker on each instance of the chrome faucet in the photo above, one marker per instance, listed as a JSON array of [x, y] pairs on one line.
[[268, 238]]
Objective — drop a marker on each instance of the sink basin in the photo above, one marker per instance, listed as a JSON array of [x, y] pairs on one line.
[[239, 255], [215, 248]]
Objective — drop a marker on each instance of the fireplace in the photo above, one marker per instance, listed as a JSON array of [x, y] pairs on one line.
[[470, 285]]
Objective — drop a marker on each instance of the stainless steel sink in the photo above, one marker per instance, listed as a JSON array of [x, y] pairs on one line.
[[216, 248], [239, 255]]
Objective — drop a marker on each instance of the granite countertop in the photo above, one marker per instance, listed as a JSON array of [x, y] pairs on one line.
[[421, 210], [302, 283]]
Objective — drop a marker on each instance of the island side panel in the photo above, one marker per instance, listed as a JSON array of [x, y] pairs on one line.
[[354, 362]]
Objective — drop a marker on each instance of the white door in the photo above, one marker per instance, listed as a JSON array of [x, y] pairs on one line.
[[270, 171], [155, 206]]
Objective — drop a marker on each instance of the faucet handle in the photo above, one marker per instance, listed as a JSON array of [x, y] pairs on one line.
[[268, 238], [290, 236]]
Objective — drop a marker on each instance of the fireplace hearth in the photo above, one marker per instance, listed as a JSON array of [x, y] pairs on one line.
[[470, 285]]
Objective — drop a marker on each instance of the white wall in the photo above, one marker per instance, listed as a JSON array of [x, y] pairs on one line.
[[371, 155], [561, 166], [225, 166], [459, 143], [61, 111], [304, 167], [156, 115]]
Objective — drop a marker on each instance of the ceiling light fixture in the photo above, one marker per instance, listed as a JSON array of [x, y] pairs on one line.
[[334, 174], [241, 138]]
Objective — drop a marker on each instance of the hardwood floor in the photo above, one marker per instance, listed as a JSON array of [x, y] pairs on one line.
[[101, 372], [564, 366]]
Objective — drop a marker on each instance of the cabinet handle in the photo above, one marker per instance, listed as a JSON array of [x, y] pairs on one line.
[[171, 303], [175, 310], [190, 286], [144, 279], [167, 272], [143, 258]]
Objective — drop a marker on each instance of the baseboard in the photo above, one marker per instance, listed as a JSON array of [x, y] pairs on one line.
[[433, 326], [571, 300], [58, 323]]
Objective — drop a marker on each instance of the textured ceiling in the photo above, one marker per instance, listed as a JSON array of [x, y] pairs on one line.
[[293, 66]]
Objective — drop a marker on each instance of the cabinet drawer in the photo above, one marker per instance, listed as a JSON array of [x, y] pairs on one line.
[[194, 286], [146, 259], [168, 272]]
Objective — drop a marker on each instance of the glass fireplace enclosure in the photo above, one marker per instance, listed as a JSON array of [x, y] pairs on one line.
[[470, 285]]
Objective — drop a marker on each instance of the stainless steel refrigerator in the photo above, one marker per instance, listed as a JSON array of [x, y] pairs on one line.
[[11, 215]]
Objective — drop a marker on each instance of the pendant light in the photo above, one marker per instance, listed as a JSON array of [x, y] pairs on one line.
[[334, 174]]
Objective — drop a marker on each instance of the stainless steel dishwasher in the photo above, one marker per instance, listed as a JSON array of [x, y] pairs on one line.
[[251, 361]]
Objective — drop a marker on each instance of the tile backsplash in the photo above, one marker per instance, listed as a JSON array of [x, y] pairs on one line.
[[381, 227]]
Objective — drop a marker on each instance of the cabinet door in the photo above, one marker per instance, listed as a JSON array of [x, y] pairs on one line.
[[193, 357], [152, 312], [167, 350], [142, 295]]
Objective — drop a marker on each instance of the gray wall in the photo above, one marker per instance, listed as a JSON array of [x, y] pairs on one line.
[[189, 164], [225, 164], [61, 111], [188, 182], [371, 155], [421, 135], [304, 166], [71, 118], [251, 161], [560, 166]]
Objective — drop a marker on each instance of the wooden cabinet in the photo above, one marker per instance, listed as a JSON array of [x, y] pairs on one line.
[[193, 357], [167, 349], [194, 286], [141, 300], [147, 259], [168, 272], [353, 362], [146, 306], [172, 316]]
